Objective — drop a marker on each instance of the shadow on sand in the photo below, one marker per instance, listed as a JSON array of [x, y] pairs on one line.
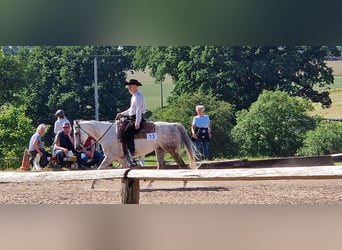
[[185, 189]]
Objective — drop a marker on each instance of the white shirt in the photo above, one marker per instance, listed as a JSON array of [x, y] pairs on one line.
[[138, 107], [59, 125]]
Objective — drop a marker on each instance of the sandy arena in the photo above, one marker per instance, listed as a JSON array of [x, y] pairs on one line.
[[173, 192]]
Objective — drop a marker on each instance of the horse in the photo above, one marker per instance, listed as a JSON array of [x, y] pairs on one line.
[[167, 138]]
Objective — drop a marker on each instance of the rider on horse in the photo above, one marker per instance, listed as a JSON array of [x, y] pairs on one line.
[[134, 119]]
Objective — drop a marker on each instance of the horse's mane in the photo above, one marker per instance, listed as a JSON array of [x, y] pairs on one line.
[[96, 121]]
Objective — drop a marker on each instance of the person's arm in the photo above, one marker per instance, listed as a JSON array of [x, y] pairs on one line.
[[71, 138], [55, 128], [123, 113], [58, 146], [209, 129], [35, 146], [139, 110], [193, 129], [92, 149]]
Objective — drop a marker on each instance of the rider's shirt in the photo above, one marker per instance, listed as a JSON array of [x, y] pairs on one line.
[[137, 107]]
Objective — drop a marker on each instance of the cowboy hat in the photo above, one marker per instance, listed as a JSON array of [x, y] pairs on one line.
[[133, 82]]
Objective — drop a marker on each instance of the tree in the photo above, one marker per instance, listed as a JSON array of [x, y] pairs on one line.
[[11, 77], [15, 131], [239, 74], [63, 77], [275, 125], [325, 139], [221, 115]]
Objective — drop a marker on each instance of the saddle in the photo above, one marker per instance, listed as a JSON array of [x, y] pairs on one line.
[[147, 128]]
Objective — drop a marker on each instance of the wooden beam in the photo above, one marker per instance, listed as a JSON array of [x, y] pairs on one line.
[[61, 175], [318, 172]]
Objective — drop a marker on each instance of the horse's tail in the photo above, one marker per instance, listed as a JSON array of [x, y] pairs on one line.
[[189, 146]]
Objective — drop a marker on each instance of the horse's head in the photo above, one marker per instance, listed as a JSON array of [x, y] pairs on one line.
[[78, 142]]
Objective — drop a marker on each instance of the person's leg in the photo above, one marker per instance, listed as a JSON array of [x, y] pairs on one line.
[[128, 137], [60, 157], [98, 158], [32, 155], [82, 159], [205, 144], [44, 161], [199, 151], [36, 160]]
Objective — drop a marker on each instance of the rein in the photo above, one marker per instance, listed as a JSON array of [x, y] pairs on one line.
[[97, 140]]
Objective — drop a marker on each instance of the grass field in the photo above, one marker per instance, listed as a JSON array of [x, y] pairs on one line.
[[335, 111], [152, 91]]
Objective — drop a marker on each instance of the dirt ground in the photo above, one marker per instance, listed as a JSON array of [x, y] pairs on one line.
[[173, 192]]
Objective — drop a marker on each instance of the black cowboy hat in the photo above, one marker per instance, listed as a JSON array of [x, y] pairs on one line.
[[133, 82]]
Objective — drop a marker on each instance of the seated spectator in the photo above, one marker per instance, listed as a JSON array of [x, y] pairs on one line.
[[39, 157], [64, 146], [90, 153]]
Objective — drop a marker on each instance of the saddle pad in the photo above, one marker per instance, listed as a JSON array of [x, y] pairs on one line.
[[147, 128]]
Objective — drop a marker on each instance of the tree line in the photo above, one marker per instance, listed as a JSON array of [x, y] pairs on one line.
[[257, 97]]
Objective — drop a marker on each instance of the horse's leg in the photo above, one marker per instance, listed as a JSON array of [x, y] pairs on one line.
[[107, 161], [123, 163], [178, 159], [181, 164], [160, 154], [141, 161], [160, 161]]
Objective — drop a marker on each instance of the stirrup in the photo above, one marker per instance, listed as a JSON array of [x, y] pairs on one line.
[[131, 162]]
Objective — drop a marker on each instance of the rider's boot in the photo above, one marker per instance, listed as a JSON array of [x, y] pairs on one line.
[[131, 162]]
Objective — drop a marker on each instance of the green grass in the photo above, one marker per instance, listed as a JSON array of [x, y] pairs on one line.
[[337, 82], [152, 93], [336, 96]]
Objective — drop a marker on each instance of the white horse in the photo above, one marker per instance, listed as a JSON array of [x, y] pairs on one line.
[[167, 139]]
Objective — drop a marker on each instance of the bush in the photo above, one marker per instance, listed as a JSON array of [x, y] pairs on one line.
[[274, 126], [15, 132], [325, 139]]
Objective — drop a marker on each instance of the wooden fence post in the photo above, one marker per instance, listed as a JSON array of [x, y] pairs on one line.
[[130, 189]]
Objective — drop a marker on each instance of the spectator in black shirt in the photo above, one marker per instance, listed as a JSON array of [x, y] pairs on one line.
[[64, 146]]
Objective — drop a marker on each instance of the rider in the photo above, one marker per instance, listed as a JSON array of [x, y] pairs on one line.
[[133, 119]]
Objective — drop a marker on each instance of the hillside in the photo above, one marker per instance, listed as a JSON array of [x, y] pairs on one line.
[[335, 111], [152, 91]]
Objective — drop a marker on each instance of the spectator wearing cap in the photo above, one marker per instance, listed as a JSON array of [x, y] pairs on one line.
[[134, 119], [59, 122]]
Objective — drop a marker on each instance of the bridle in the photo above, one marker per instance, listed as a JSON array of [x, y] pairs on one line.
[[78, 128]]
